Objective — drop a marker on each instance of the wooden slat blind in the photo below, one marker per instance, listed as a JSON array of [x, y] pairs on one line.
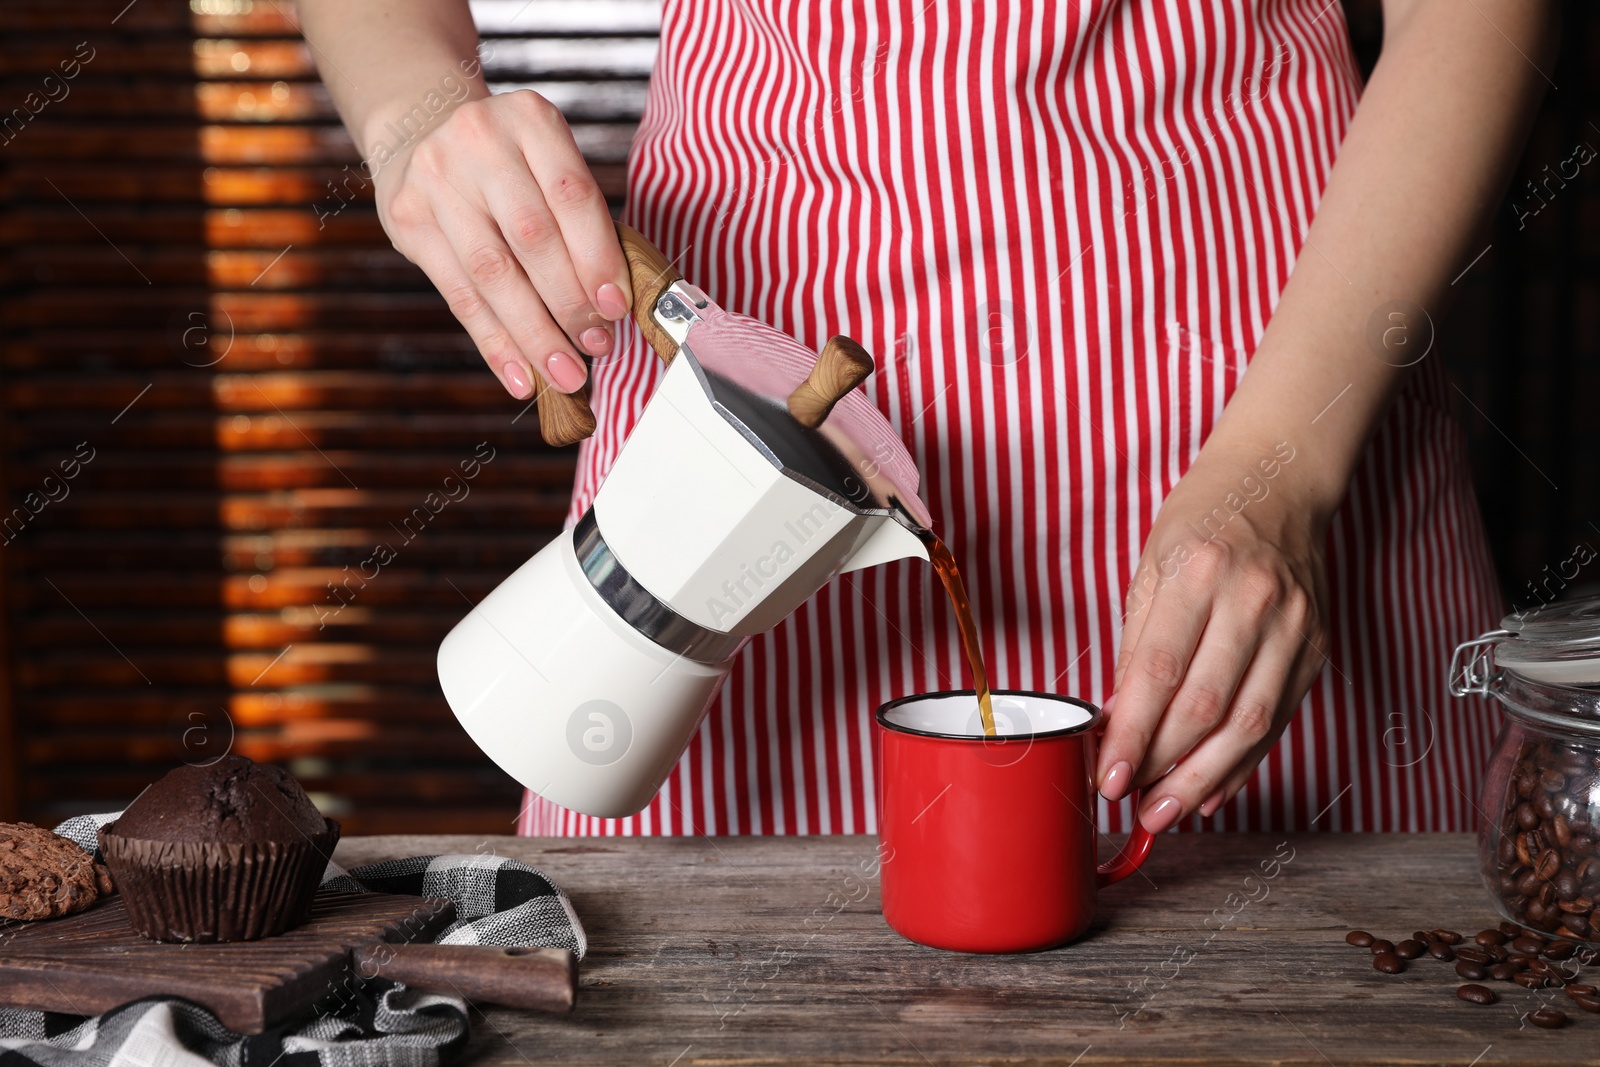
[[255, 395]]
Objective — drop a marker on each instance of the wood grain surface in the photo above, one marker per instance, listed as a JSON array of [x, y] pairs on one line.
[[840, 367], [650, 274], [564, 418], [92, 962], [536, 979], [754, 951]]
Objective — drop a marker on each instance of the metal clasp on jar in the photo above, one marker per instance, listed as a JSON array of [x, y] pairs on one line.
[[1472, 667]]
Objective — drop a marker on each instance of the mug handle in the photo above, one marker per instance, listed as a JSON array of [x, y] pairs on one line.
[[1132, 855]]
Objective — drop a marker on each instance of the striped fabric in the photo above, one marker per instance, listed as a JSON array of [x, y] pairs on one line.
[[1060, 227]]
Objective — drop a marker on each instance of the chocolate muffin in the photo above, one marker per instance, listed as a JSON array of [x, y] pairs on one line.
[[232, 851]]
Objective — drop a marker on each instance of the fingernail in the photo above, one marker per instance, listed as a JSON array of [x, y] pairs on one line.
[[610, 301], [566, 373], [1212, 803], [517, 380], [1117, 780], [1163, 815], [596, 341]]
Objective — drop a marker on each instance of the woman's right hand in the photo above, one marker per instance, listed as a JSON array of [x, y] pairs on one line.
[[497, 206]]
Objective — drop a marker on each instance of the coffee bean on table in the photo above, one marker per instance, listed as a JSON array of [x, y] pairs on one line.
[[1410, 949], [1497, 953], [1472, 972], [1529, 980], [1449, 937], [1502, 972], [1388, 963], [1359, 938], [1380, 945], [1511, 929], [1559, 950], [1477, 994], [1579, 989], [1490, 937], [1587, 1003], [1549, 1018], [1473, 954], [1441, 951], [1527, 944]]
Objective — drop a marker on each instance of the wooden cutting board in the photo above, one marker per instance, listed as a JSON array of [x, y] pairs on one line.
[[91, 962]]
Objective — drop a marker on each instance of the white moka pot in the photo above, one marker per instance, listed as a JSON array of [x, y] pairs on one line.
[[756, 472]]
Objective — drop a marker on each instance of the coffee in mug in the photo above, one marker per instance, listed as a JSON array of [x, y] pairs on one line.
[[989, 841]]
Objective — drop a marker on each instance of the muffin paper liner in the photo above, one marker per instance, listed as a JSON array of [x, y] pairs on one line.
[[211, 891]]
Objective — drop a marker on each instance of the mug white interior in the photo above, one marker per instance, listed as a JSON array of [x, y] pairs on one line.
[[1016, 714]]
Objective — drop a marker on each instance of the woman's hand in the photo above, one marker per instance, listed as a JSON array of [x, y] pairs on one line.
[[1225, 629], [498, 208]]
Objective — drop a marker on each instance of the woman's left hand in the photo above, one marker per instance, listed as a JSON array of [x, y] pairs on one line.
[[1225, 630]]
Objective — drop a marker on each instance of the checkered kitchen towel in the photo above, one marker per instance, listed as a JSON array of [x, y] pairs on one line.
[[498, 902]]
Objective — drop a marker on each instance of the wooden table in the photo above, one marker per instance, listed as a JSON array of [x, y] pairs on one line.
[[747, 950]]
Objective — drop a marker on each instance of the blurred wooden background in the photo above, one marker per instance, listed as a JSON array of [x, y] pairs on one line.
[[222, 389], [269, 392]]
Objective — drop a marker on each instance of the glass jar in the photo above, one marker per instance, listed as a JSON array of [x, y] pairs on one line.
[[1539, 809]]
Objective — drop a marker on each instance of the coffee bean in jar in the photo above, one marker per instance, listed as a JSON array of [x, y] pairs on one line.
[[1547, 866], [1539, 842]]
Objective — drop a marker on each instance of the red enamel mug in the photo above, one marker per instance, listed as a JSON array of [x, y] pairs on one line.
[[988, 844]]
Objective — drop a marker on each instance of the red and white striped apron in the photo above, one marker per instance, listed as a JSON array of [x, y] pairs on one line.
[[1060, 226]]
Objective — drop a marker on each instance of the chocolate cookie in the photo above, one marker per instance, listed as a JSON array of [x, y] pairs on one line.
[[45, 876]]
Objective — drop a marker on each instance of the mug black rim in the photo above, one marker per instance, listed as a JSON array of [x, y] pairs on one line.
[[879, 716]]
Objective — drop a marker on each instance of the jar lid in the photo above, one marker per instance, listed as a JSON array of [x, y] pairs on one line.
[[1558, 644], [1542, 666]]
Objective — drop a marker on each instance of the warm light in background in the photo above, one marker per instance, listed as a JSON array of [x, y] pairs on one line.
[[270, 390]]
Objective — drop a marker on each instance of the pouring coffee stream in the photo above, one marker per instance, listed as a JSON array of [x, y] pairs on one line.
[[841, 366], [944, 564], [755, 473]]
